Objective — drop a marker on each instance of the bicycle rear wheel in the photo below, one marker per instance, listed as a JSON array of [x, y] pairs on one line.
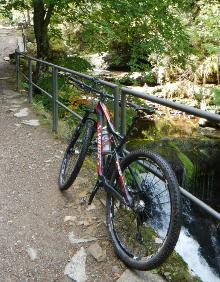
[[145, 235], [75, 153]]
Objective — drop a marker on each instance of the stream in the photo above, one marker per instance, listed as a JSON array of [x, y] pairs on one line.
[[196, 164]]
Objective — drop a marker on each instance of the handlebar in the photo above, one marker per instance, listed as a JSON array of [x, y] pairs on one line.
[[147, 110]]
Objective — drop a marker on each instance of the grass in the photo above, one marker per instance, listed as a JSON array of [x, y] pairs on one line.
[[65, 128], [217, 96]]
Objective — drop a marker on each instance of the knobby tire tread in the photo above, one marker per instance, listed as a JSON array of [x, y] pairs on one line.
[[87, 140], [175, 224]]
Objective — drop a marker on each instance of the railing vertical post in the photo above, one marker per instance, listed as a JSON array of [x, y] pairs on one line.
[[30, 86], [17, 62], [54, 98], [123, 113], [116, 107]]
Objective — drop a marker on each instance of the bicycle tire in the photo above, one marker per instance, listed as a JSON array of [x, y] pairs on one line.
[[83, 135], [150, 250]]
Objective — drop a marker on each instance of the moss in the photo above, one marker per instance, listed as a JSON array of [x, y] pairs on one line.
[[185, 160], [176, 270], [216, 92]]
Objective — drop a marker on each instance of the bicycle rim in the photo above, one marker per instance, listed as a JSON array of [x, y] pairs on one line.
[[144, 236], [74, 155]]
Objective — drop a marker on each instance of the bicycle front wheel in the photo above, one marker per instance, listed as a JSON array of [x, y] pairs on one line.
[[145, 235], [75, 154]]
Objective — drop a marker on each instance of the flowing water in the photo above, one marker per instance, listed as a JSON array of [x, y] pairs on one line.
[[196, 162]]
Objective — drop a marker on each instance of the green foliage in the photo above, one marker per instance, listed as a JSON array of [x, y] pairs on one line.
[[216, 96], [203, 29], [185, 160], [175, 270], [135, 31], [75, 62]]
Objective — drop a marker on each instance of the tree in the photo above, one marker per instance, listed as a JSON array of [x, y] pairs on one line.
[[42, 16], [205, 36], [43, 10], [132, 31]]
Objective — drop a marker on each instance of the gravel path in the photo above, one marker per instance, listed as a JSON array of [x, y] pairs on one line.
[[38, 224], [33, 242]]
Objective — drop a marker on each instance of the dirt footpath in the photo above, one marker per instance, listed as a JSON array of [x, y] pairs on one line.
[[46, 235]]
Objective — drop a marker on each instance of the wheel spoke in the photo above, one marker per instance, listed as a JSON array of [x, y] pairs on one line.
[[141, 231]]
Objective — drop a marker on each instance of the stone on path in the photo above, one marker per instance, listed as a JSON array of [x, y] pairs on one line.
[[91, 207], [22, 113], [12, 110], [97, 252], [11, 94], [139, 276], [74, 240], [76, 268], [31, 122], [4, 78], [69, 218], [32, 253]]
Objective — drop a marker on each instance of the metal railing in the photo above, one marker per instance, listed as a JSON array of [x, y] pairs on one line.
[[54, 82], [120, 95]]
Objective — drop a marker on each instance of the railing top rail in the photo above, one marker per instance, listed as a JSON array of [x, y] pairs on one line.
[[106, 83], [190, 110]]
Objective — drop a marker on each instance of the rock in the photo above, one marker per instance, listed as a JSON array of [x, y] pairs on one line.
[[85, 222], [69, 218], [210, 132], [115, 269], [139, 276], [4, 78], [76, 268], [158, 241], [205, 123], [97, 252], [91, 207], [103, 202], [12, 110], [83, 200], [31, 122], [32, 253], [73, 240], [22, 113]]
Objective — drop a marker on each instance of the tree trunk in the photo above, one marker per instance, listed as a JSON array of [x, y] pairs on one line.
[[28, 17], [41, 19]]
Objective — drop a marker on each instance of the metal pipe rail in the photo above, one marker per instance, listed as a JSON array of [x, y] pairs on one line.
[[54, 94], [117, 102], [183, 108]]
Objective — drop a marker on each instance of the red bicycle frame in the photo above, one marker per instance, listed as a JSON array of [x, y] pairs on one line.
[[103, 114]]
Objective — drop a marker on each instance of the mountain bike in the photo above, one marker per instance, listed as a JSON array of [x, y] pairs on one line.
[[143, 205]]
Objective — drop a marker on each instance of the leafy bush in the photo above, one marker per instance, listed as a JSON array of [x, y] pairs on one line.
[[216, 96], [74, 63]]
